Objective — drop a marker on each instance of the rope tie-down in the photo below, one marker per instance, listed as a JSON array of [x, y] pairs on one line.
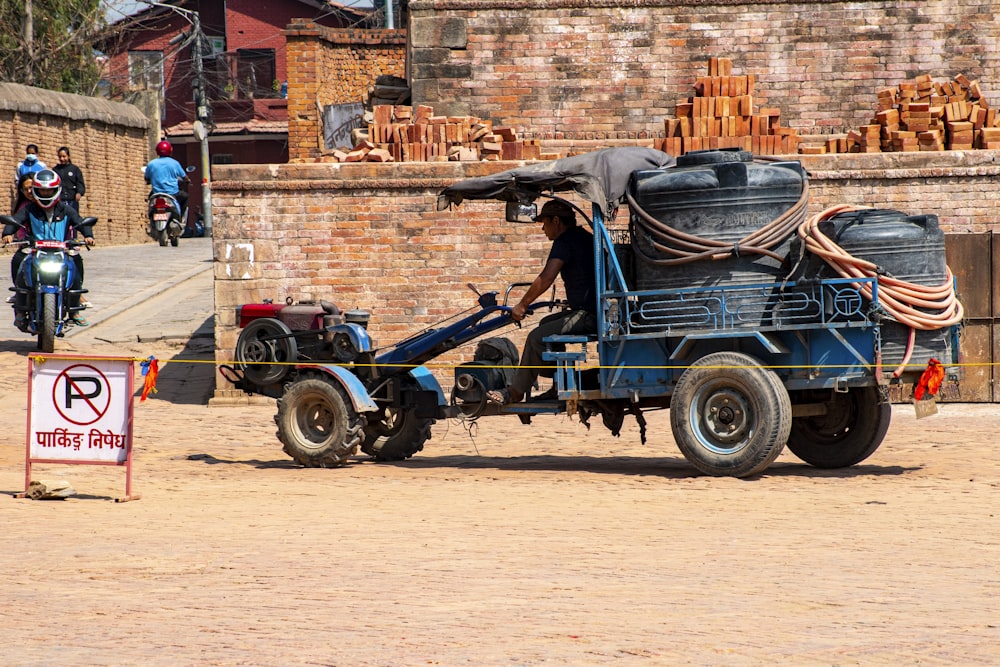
[[919, 307]]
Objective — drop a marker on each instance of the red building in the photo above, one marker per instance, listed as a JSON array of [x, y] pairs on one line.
[[242, 58]]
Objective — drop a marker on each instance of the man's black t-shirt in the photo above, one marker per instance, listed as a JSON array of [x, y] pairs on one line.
[[575, 247]]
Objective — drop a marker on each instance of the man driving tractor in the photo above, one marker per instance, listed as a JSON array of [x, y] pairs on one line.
[[572, 258]]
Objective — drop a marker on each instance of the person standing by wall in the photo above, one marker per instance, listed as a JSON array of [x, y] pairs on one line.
[[73, 187], [30, 164]]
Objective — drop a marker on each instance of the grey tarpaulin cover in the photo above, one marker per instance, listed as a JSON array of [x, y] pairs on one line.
[[600, 177]]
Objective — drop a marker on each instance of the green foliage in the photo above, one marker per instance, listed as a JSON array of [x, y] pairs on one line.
[[58, 54]]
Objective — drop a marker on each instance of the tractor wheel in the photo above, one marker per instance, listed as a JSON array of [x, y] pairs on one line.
[[47, 327], [851, 430], [395, 435], [729, 416], [317, 423]]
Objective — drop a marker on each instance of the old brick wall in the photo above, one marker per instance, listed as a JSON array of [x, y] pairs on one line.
[[369, 236], [603, 69], [107, 140], [333, 66]]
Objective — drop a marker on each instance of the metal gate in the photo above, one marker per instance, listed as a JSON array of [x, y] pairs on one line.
[[972, 258]]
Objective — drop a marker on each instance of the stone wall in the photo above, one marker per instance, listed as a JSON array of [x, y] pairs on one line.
[[603, 69], [107, 140], [368, 235], [333, 66]]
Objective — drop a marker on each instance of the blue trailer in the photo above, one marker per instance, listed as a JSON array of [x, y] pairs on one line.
[[756, 325]]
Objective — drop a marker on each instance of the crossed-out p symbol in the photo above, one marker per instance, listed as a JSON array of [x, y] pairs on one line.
[[81, 394]]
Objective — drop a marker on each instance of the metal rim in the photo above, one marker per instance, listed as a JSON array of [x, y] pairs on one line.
[[390, 421], [314, 421], [722, 416]]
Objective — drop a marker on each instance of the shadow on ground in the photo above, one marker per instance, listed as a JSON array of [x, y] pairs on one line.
[[24, 348], [664, 467], [187, 377]]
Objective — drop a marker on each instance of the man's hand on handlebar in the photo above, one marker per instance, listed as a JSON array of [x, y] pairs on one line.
[[518, 312], [8, 239], [89, 240]]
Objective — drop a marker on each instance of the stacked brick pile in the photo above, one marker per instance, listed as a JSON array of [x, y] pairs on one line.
[[721, 115], [414, 134], [923, 115]]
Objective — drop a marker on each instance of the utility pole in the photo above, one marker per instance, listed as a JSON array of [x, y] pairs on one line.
[[201, 119], [201, 111], [29, 40]]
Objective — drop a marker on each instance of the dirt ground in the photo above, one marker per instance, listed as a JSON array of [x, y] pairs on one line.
[[508, 545]]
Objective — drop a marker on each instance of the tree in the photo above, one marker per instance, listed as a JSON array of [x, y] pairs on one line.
[[47, 43]]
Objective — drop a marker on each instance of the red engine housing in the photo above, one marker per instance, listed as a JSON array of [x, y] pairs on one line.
[[247, 313], [297, 317], [303, 316]]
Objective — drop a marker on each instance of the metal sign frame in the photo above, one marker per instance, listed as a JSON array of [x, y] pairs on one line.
[[106, 439]]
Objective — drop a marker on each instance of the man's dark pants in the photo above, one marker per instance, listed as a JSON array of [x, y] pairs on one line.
[[562, 323]]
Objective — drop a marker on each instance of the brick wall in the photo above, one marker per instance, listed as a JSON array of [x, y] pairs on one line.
[[333, 66], [107, 140], [600, 69], [369, 236]]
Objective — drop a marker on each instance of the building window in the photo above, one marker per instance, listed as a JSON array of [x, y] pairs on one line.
[[255, 73], [222, 158], [218, 83], [145, 70]]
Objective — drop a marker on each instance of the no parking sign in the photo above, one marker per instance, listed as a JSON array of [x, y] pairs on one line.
[[80, 411]]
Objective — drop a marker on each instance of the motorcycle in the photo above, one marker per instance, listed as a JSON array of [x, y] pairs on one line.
[[43, 287], [166, 219]]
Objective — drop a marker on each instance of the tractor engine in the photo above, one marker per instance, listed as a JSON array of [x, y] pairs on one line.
[[276, 336], [492, 367]]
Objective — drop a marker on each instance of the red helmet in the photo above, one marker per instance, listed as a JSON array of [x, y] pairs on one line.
[[163, 149], [46, 187]]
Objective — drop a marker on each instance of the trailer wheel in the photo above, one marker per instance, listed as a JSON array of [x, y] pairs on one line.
[[729, 416], [852, 429], [395, 435], [317, 424]]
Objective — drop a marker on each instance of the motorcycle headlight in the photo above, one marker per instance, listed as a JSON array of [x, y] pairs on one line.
[[50, 267]]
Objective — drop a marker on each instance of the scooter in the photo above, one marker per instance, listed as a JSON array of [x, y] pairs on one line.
[[166, 219], [42, 287]]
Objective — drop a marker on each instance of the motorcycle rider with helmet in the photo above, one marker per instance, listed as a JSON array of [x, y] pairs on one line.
[[165, 174], [47, 218]]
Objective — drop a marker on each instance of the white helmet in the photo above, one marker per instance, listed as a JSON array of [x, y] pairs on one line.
[[46, 188]]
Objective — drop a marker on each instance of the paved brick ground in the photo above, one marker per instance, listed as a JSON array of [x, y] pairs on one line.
[[506, 545], [519, 546]]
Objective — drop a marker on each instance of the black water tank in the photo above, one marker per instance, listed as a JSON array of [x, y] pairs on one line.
[[905, 247], [716, 195], [721, 195]]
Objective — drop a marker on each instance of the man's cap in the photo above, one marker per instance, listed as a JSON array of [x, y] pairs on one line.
[[558, 208]]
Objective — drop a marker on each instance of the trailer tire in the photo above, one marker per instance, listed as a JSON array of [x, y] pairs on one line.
[[396, 436], [729, 415], [851, 430], [317, 424]]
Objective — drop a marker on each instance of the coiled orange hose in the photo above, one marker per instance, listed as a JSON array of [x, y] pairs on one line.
[[686, 248], [918, 306]]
